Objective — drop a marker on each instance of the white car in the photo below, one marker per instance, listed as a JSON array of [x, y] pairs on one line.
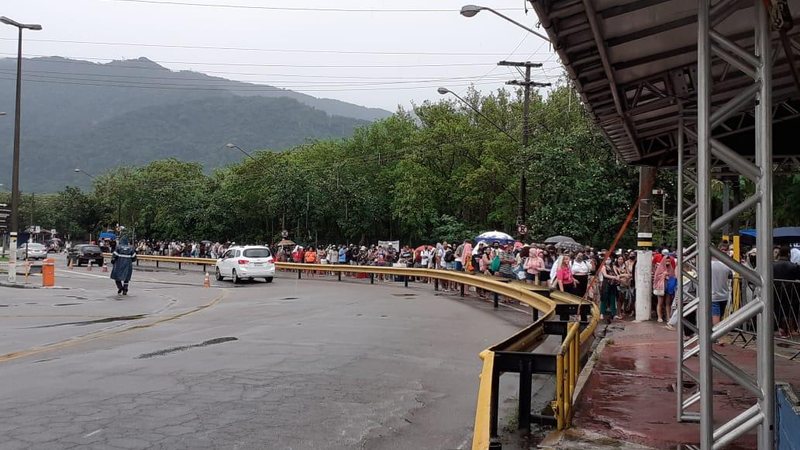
[[31, 251], [250, 261]]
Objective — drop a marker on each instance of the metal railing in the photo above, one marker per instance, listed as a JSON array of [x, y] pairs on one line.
[[786, 315], [567, 369], [568, 358]]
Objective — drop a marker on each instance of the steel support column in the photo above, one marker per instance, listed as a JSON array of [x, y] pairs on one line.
[[761, 414]]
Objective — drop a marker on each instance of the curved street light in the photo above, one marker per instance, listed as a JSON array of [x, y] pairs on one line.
[[85, 173], [472, 10], [14, 223], [445, 91]]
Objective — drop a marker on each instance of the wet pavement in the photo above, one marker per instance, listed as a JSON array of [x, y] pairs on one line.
[[629, 397], [291, 365]]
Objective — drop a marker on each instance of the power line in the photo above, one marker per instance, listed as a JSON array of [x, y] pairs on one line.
[[160, 69], [266, 50], [347, 66], [80, 76], [288, 8], [67, 81]]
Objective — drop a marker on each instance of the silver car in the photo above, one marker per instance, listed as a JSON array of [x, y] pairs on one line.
[[31, 251]]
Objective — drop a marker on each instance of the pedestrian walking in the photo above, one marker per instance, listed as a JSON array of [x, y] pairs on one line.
[[122, 259]]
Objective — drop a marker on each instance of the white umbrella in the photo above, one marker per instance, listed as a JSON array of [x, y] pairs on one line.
[[495, 236]]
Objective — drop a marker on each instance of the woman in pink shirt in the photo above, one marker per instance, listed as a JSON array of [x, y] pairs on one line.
[[564, 278], [533, 264]]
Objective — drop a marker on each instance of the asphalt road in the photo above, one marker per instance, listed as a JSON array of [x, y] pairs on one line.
[[294, 364]]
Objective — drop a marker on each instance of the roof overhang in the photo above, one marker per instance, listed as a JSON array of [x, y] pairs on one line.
[[634, 64]]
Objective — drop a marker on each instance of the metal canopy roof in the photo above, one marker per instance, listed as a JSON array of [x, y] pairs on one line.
[[634, 64]]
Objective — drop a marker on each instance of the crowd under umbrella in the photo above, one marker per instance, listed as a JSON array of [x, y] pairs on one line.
[[491, 237]]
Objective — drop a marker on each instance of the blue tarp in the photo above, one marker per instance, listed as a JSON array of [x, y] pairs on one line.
[[107, 235], [787, 235]]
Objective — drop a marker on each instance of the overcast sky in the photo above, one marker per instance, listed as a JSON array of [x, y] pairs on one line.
[[356, 54]]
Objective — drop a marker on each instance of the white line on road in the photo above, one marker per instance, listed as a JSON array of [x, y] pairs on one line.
[[93, 433]]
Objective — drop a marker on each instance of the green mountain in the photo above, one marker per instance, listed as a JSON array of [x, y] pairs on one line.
[[99, 116]]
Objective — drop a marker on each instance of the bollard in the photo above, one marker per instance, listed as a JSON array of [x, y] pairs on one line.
[[496, 300], [339, 275], [70, 266], [207, 281], [372, 278], [49, 273], [90, 266], [299, 274], [27, 270], [535, 313], [462, 290], [105, 267], [435, 284], [405, 281]]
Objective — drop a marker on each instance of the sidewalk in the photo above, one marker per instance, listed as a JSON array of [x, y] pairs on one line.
[[629, 398]]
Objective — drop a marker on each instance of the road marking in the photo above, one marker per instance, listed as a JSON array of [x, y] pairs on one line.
[[93, 433], [104, 333]]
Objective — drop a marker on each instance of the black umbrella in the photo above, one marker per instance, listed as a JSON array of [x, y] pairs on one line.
[[559, 240]]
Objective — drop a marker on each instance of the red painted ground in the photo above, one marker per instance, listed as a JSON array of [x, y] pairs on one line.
[[629, 395]]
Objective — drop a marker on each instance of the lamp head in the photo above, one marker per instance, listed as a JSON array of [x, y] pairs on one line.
[[77, 170], [230, 145], [14, 23], [443, 90], [470, 10]]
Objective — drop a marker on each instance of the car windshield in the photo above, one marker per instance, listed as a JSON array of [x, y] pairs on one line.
[[257, 253], [34, 246], [91, 248]]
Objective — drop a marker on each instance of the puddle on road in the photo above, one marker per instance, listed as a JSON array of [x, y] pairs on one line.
[[66, 304], [96, 321], [186, 347]]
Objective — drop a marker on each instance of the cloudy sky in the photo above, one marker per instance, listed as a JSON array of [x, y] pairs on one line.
[[375, 53]]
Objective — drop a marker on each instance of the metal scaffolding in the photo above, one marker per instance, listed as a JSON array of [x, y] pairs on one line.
[[697, 225]]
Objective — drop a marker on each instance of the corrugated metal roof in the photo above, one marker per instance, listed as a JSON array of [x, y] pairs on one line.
[[634, 65]]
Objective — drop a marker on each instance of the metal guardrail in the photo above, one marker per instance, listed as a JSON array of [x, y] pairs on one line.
[[786, 315], [567, 369], [568, 363]]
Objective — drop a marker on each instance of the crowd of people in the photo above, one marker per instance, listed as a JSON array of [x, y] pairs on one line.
[[597, 275]]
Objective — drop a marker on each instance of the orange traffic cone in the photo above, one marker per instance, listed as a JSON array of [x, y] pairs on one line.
[[207, 281], [69, 264], [105, 267]]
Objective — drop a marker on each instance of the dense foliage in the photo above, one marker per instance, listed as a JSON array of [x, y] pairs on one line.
[[441, 172]]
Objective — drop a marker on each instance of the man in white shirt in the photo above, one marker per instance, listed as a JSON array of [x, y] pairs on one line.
[[720, 288], [795, 255]]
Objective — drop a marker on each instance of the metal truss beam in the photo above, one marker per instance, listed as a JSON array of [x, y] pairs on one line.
[[695, 188]]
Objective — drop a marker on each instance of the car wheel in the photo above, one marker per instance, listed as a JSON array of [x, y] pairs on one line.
[[268, 279], [217, 275], [236, 279]]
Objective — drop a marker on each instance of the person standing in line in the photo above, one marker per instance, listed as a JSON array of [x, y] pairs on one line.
[[122, 259]]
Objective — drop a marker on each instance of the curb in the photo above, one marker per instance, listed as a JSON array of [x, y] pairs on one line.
[[18, 286]]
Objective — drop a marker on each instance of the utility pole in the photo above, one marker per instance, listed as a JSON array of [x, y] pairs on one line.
[[644, 255], [527, 84]]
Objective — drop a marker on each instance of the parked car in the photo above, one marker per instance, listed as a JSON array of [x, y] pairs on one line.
[[83, 253], [31, 250], [250, 261]]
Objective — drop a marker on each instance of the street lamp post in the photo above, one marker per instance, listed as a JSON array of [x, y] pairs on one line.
[[14, 225], [472, 10]]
